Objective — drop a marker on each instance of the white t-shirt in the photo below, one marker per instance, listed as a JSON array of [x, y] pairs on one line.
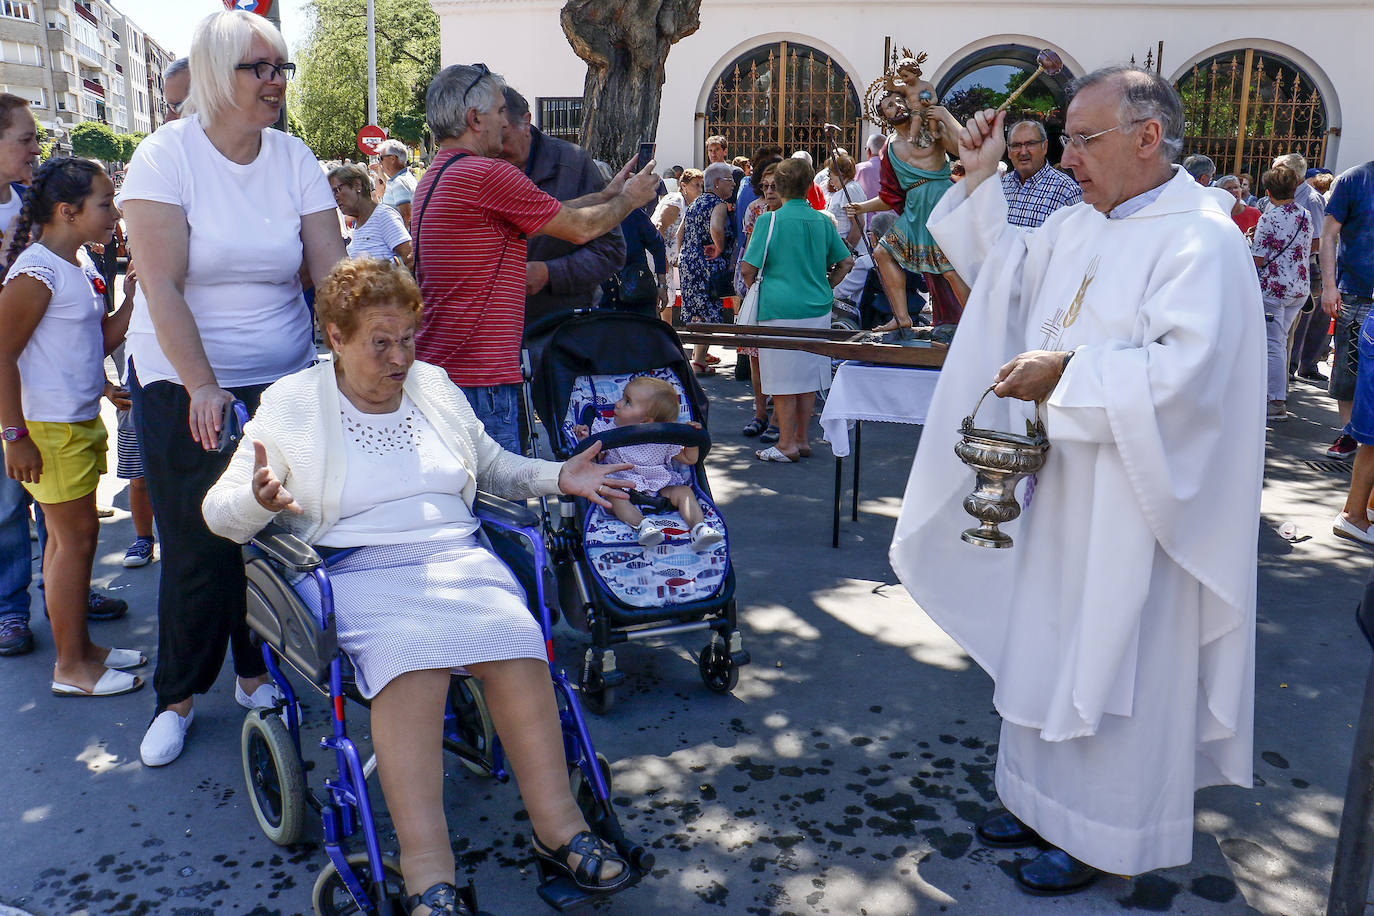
[[244, 250], [400, 189], [379, 236], [835, 203], [401, 483], [62, 369], [670, 234], [9, 210]]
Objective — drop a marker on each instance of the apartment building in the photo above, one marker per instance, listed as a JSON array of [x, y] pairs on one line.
[[79, 60], [156, 59]]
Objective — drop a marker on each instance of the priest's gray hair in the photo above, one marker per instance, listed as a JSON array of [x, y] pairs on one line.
[[455, 91], [1145, 96]]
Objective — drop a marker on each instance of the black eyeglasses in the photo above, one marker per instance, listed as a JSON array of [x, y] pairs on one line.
[[286, 71], [175, 106], [482, 73]]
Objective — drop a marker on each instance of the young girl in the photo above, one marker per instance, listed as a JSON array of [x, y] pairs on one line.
[[656, 470], [54, 335]]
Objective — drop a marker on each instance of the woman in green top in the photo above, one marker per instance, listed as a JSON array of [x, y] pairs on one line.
[[804, 259]]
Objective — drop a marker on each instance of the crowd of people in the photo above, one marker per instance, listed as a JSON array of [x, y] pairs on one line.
[[378, 449]]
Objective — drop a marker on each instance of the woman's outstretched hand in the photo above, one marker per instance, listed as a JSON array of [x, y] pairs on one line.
[[582, 476], [267, 489]]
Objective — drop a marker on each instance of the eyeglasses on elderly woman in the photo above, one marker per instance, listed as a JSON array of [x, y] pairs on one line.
[[266, 70]]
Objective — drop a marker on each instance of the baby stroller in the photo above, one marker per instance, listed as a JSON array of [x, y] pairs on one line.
[[577, 365], [358, 878]]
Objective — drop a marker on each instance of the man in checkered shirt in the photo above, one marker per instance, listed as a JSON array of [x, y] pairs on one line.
[[1034, 188]]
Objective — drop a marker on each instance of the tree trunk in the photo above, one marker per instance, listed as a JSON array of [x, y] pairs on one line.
[[625, 44]]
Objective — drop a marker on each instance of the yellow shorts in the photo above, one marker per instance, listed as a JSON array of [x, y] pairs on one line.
[[73, 459]]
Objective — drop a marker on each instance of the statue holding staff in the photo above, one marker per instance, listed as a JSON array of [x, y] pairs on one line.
[[914, 175]]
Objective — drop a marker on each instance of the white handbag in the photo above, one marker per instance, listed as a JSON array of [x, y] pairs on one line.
[[749, 309]]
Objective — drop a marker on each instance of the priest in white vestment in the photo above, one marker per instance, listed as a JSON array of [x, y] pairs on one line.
[[1120, 628]]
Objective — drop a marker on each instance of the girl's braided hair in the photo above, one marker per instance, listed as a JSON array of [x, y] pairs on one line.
[[60, 180]]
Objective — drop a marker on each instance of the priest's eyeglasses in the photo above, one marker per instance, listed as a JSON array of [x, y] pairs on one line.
[[266, 70], [1080, 142]]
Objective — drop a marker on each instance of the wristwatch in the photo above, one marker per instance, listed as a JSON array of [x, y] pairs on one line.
[[12, 433]]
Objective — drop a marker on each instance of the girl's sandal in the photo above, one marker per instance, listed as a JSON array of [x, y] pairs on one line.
[[441, 899], [594, 855]]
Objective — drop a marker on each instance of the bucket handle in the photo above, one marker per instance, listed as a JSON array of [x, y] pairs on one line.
[[967, 425]]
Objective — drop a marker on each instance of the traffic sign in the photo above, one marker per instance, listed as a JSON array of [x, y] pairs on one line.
[[369, 138], [261, 7]]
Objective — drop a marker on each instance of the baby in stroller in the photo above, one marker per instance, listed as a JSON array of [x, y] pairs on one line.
[[658, 474]]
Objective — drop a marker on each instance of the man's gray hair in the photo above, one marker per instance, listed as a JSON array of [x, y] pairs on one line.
[[449, 98], [1039, 129], [1145, 96], [805, 157], [1225, 181], [1199, 166], [177, 66], [877, 143], [394, 148], [516, 105], [715, 172]]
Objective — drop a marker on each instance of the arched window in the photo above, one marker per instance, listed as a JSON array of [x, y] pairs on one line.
[[784, 94], [1244, 107], [986, 77]]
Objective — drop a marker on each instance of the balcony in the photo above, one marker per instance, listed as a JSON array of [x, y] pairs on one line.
[[86, 14], [93, 87], [90, 55]]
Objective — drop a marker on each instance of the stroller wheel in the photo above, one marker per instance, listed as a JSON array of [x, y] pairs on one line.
[[472, 723], [597, 695], [718, 671], [275, 777], [331, 896]]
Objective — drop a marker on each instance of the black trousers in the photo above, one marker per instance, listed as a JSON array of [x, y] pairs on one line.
[[200, 597]]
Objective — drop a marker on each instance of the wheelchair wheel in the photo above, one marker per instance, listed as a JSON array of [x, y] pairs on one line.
[[275, 777], [597, 696], [473, 722], [584, 793], [331, 896], [718, 672]]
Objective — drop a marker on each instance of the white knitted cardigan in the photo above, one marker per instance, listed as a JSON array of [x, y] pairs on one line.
[[300, 424]]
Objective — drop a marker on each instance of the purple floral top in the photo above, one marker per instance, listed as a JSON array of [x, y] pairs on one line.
[[1283, 239]]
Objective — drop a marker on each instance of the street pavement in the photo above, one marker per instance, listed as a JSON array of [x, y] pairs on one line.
[[843, 775]]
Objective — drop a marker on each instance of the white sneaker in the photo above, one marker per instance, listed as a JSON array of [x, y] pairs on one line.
[[265, 697], [163, 741], [704, 537], [650, 533]]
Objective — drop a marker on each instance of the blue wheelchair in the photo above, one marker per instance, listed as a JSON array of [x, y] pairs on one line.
[[358, 878]]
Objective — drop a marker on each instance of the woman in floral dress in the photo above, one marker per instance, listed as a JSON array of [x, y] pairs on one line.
[[707, 238]]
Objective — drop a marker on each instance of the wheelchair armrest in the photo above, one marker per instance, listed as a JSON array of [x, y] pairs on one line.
[[503, 512], [285, 549]]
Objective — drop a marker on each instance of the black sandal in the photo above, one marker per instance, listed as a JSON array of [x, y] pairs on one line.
[[755, 427], [595, 855], [441, 898]]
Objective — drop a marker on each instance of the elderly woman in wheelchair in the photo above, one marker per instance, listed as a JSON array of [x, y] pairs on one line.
[[377, 454]]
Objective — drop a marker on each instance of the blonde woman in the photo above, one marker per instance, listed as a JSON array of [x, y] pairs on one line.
[[225, 210]]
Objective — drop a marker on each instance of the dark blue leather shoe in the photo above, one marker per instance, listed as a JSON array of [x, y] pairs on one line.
[[1005, 830], [1054, 872]]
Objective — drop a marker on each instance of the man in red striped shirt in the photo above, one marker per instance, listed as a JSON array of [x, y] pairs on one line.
[[470, 218]]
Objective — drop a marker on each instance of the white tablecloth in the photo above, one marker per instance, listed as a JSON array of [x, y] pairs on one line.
[[887, 394]]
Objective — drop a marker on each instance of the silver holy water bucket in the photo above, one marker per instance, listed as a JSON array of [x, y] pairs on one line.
[[999, 461]]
